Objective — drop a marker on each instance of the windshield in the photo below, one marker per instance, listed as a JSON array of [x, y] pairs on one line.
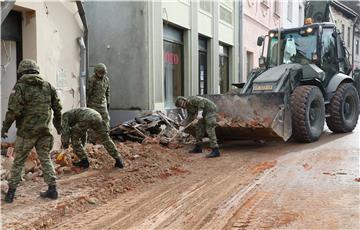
[[295, 48]]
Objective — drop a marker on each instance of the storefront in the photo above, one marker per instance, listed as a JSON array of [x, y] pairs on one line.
[[203, 75], [223, 68], [173, 65]]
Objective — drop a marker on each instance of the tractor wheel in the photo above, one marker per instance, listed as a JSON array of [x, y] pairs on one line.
[[343, 109], [308, 113]]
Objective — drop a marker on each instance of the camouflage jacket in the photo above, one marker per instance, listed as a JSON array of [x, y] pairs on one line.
[[98, 92], [80, 120], [196, 104], [30, 105]]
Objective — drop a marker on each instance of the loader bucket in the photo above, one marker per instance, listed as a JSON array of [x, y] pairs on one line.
[[264, 116]]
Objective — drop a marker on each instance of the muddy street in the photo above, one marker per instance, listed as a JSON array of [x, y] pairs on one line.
[[253, 185]]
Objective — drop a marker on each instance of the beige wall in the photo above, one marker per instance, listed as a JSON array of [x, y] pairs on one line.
[[50, 30], [340, 20]]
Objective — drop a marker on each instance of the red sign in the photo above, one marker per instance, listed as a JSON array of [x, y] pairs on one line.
[[171, 58]]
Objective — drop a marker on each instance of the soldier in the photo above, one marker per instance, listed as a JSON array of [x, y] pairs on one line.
[[30, 105], [97, 94], [75, 123], [204, 111]]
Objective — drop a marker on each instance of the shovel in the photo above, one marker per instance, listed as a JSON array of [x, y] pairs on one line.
[[166, 142]]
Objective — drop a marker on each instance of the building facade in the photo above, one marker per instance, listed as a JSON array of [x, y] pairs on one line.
[[46, 32], [345, 18], [292, 13], [158, 50], [258, 18]]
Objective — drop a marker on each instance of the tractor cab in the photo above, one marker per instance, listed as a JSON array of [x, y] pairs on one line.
[[318, 44]]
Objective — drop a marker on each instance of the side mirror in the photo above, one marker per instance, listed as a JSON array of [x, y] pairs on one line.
[[260, 40]]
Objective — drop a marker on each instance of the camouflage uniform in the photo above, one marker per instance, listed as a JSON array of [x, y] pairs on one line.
[[76, 122], [98, 93], [207, 123], [30, 105]]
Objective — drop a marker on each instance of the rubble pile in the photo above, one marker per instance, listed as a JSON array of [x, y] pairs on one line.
[[228, 122], [152, 128], [144, 163], [137, 157]]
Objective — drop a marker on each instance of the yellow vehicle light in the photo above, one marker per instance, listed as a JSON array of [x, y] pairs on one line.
[[262, 87], [308, 21], [309, 30]]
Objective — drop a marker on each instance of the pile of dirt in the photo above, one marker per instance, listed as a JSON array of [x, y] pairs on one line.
[[80, 190], [228, 122]]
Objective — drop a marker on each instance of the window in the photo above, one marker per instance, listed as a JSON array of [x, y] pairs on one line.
[[205, 5], [357, 47], [289, 10], [226, 15], [223, 68], [328, 52], [249, 62], [173, 66], [265, 3], [349, 37], [277, 7], [202, 66]]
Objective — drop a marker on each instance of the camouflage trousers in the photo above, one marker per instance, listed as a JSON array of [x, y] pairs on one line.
[[207, 124], [43, 144], [92, 137], [78, 141]]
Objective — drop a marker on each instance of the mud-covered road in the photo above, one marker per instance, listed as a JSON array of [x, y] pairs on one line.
[[251, 186]]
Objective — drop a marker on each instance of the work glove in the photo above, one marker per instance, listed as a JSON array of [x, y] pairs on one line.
[[199, 115]]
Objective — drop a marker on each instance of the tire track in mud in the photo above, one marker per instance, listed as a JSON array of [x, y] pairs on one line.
[[298, 197], [295, 193], [161, 208]]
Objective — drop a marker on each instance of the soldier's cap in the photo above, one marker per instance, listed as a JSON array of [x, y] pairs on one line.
[[179, 100], [100, 67], [28, 64]]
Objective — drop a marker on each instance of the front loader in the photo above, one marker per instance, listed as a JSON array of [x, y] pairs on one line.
[[302, 82]]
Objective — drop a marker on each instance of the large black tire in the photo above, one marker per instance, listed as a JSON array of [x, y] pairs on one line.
[[343, 109], [308, 113]]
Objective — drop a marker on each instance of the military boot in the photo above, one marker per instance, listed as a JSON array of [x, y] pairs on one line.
[[196, 149], [119, 163], [50, 193], [83, 163], [9, 197], [214, 153]]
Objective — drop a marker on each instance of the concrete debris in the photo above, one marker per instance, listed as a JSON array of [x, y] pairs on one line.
[[150, 130], [92, 200], [153, 128]]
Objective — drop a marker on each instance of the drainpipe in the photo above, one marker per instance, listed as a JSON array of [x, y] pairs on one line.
[[241, 42], [84, 54], [82, 72], [6, 7]]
